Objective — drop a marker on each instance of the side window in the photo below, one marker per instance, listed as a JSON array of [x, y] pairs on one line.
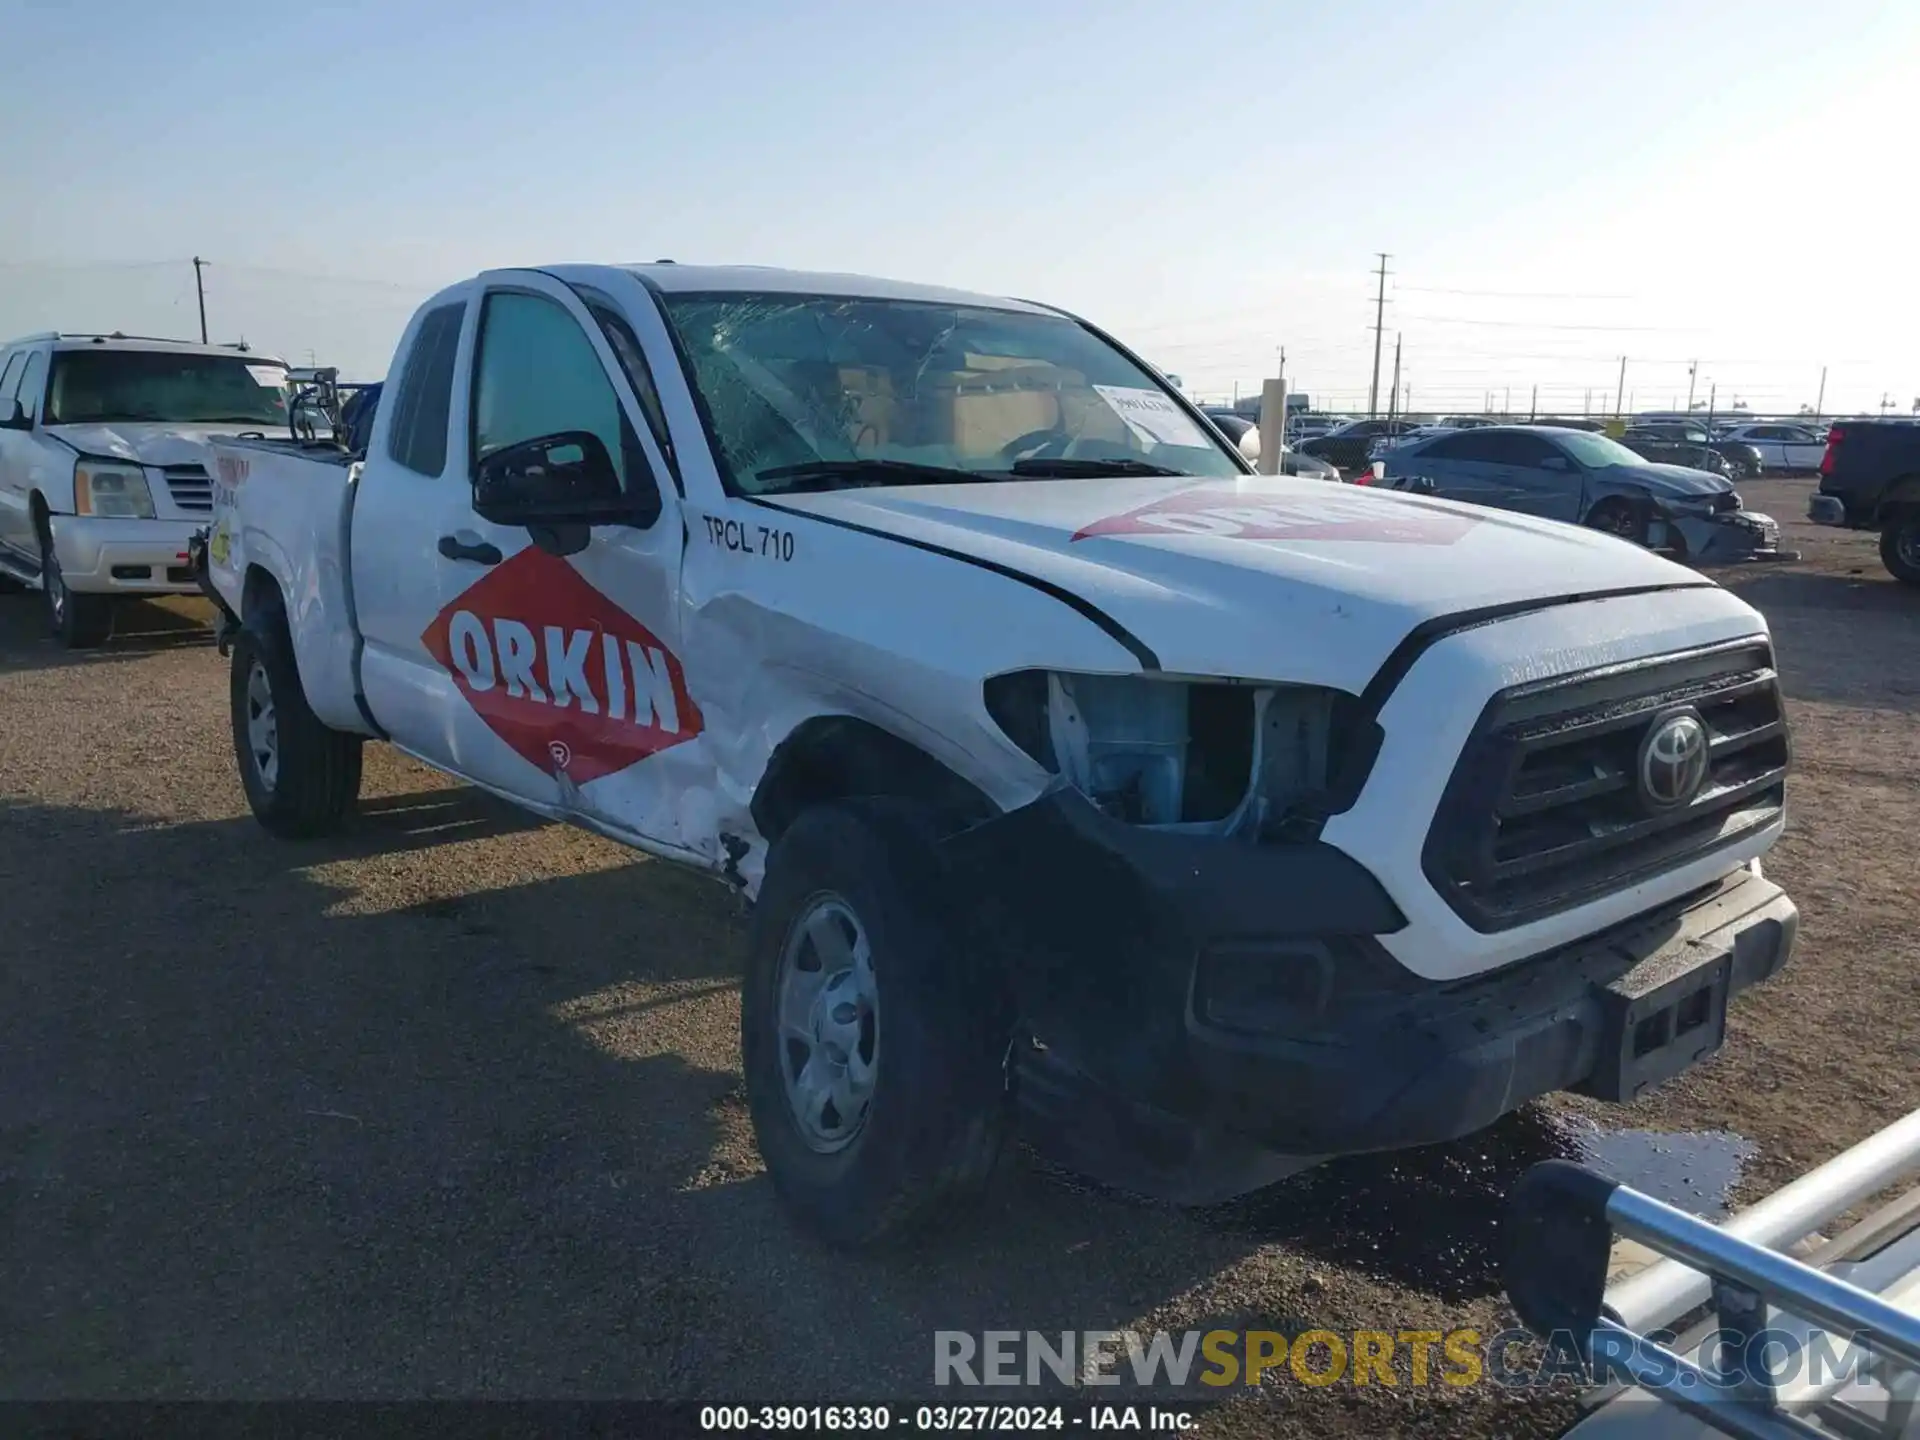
[[537, 374], [1451, 447], [1767, 432], [1529, 450], [33, 383], [423, 401], [10, 376], [1490, 447]]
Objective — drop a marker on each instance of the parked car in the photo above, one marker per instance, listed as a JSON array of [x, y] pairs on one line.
[[1665, 451], [1347, 448], [1310, 427], [1077, 775], [1744, 460], [1783, 446], [103, 473], [1245, 436], [1588, 479], [1870, 480]]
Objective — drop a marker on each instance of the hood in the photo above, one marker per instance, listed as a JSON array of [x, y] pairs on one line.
[[140, 443], [1265, 577], [1674, 480]]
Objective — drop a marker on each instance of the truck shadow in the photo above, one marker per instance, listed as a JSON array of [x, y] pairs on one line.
[[139, 628], [264, 1132]]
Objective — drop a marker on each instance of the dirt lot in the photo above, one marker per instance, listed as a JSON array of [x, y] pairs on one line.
[[451, 1107]]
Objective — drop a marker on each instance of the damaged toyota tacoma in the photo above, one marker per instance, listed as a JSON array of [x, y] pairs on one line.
[[1194, 824]]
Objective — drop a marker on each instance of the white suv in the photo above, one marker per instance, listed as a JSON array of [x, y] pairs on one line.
[[103, 473]]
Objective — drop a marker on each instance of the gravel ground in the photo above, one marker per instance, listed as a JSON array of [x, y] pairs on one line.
[[451, 1106]]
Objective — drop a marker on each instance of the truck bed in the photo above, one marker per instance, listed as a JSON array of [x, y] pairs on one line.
[[283, 511]]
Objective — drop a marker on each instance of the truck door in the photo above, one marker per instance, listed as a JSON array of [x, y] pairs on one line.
[[570, 689]]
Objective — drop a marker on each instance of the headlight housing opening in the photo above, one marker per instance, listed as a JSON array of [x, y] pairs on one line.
[[1212, 756]]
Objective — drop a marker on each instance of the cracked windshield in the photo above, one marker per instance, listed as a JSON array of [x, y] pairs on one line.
[[817, 391]]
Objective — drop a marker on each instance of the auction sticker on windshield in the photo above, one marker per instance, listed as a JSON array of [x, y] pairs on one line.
[[1151, 416], [1228, 513], [271, 376]]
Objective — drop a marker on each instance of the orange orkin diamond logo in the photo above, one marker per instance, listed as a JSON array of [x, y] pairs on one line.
[[569, 680]]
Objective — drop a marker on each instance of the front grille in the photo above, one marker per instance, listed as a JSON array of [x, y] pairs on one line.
[[1545, 812], [189, 486]]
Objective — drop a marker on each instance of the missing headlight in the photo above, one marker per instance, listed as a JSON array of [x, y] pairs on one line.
[[1218, 756]]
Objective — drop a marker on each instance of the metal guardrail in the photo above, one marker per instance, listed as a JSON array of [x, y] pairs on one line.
[[1565, 1219]]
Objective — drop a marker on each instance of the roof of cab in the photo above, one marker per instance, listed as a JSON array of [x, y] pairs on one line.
[[672, 278]]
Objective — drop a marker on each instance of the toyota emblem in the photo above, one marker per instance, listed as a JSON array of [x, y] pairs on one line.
[[1673, 759]]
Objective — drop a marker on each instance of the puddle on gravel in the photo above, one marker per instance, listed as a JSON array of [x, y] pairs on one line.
[[1431, 1218]]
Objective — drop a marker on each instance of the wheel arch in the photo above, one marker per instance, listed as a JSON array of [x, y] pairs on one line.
[[843, 757]]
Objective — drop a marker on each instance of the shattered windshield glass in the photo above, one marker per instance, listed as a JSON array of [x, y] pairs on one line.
[[812, 391]]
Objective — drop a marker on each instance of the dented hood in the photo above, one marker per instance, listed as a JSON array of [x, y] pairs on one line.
[[140, 443], [1262, 577]]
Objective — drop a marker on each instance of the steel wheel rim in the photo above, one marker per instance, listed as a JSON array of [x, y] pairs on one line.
[[1615, 522], [263, 726], [828, 1013], [56, 586]]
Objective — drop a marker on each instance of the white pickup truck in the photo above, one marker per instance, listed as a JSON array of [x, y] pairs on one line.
[[1201, 822]]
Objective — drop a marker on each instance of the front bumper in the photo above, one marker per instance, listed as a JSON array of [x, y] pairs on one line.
[[135, 557], [1193, 1002], [1729, 538]]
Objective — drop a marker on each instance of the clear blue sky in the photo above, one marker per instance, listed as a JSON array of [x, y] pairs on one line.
[[1559, 183]]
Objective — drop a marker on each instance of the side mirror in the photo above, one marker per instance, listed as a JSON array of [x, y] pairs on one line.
[[562, 479], [13, 416]]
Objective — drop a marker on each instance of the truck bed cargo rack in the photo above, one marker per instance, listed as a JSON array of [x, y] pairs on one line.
[[1839, 1353]]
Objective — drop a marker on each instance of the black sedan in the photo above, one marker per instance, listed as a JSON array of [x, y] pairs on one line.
[[1587, 479], [1744, 461], [1347, 447], [1245, 437], [1662, 451]]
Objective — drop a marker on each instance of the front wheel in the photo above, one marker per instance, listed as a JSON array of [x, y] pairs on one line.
[[301, 776], [874, 1044], [79, 622], [1900, 547], [1617, 517]]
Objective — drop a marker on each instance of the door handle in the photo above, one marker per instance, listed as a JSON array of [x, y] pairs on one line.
[[456, 548]]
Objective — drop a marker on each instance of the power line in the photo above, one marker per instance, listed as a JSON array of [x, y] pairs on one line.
[[1508, 294]]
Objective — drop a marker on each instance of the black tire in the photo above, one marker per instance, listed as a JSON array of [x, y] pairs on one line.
[[1619, 517], [1900, 547], [936, 1114], [79, 622], [313, 780]]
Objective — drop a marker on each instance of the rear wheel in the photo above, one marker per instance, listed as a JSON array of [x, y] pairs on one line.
[[301, 776], [1619, 517], [79, 622], [874, 1045], [1900, 547]]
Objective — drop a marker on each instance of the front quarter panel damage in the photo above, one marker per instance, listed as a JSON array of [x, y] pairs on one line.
[[865, 627]]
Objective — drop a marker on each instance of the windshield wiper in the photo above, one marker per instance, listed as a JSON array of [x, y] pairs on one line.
[[1068, 469], [870, 472]]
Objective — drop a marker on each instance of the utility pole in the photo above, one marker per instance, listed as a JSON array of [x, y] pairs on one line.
[[1533, 405], [1393, 395], [1379, 324], [1820, 402], [1506, 402], [200, 289], [1620, 390], [1713, 390], [1692, 370], [1586, 405]]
